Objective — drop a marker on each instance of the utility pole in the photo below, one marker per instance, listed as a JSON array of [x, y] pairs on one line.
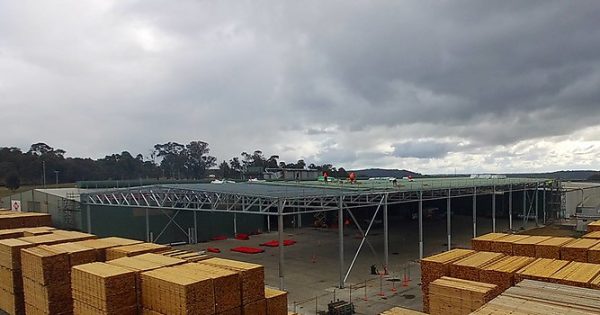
[[56, 175]]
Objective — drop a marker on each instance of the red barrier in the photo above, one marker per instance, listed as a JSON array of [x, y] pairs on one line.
[[213, 250], [242, 236], [247, 250], [276, 243]]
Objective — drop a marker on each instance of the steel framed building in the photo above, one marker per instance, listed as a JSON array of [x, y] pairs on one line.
[[283, 199]]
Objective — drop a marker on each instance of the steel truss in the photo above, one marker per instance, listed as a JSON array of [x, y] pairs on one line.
[[343, 201]]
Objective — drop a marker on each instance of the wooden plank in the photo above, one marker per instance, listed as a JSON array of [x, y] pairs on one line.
[[78, 254], [102, 244], [594, 235], [252, 277], [526, 246], [505, 244], [469, 267], [160, 259], [10, 253], [502, 272], [54, 298], [277, 301], [105, 287], [437, 266], [226, 284], [13, 304], [12, 220], [484, 242], [551, 248], [134, 250], [593, 226], [45, 266], [576, 274], [456, 296], [255, 308], [540, 269], [577, 250], [171, 291]]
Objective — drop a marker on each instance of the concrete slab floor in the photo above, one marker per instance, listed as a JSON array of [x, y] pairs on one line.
[[312, 270]]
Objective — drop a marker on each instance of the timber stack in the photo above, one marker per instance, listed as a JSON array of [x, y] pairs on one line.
[[437, 266], [456, 296]]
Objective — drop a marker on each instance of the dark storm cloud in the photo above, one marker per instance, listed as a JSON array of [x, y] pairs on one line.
[[340, 81]]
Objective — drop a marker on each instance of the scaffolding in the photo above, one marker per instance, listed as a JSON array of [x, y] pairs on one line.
[[286, 199]]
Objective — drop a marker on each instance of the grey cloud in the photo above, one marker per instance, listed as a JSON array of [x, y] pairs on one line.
[[244, 75], [426, 149]]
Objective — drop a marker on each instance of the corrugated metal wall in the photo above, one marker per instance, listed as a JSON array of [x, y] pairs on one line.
[[167, 226], [36, 201]]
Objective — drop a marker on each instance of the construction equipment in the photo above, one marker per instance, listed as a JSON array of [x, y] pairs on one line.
[[340, 308]]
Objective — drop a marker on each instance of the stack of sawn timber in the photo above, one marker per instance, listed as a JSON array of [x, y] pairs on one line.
[[101, 288], [534, 297], [437, 266], [594, 226], [11, 281], [143, 263], [12, 294], [469, 268], [451, 296], [594, 235], [134, 250], [13, 220], [46, 284], [577, 250], [585, 249], [101, 245], [187, 255], [252, 283], [22, 232], [502, 272]]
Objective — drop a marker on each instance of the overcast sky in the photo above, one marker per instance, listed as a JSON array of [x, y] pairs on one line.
[[430, 86]]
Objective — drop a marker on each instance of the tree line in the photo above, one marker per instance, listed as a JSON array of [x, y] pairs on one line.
[[170, 160]]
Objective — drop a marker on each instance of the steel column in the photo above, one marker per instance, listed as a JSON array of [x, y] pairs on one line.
[[195, 226], [494, 209], [234, 223], [524, 207], [386, 245], [544, 204], [280, 230], [148, 225], [449, 220], [510, 206], [89, 219], [474, 211], [420, 225], [537, 188], [269, 223], [341, 240]]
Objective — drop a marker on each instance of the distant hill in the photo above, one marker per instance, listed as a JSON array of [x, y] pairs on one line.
[[382, 172], [564, 175]]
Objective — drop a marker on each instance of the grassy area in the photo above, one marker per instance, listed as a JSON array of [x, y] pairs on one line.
[[5, 192]]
